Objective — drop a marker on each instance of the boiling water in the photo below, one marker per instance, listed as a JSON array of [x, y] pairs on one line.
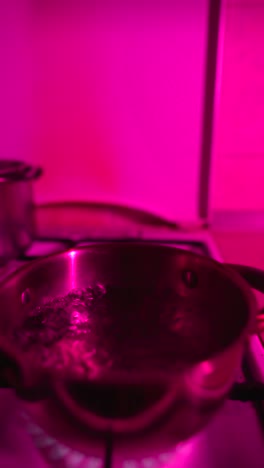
[[99, 328], [60, 334]]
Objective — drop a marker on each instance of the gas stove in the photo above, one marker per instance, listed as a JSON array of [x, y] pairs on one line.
[[225, 442]]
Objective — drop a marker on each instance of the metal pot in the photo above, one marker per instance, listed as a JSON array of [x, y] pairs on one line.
[[165, 335], [16, 208]]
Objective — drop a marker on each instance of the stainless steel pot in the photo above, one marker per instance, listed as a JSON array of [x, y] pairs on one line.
[[16, 208], [164, 337]]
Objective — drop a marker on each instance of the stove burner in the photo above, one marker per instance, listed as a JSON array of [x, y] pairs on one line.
[[58, 454]]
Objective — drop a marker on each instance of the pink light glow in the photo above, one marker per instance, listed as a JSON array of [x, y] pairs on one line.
[[72, 255]]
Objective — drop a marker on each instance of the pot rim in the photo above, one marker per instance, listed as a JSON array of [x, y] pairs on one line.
[[226, 270]]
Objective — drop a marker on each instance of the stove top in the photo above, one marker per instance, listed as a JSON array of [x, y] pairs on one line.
[[234, 438]]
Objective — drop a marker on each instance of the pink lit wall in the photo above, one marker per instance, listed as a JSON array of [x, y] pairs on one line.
[[109, 102], [239, 159]]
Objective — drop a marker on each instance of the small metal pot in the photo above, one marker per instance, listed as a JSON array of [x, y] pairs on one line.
[[16, 208], [166, 339]]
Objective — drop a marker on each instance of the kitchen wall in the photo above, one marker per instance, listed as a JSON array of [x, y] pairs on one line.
[[68, 110], [238, 176], [108, 98]]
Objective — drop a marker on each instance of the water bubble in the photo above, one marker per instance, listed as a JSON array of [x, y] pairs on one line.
[[76, 293], [78, 318], [59, 302], [80, 303], [36, 311], [99, 290]]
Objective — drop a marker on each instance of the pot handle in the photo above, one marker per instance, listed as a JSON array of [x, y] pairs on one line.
[[248, 391], [254, 276], [33, 173]]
